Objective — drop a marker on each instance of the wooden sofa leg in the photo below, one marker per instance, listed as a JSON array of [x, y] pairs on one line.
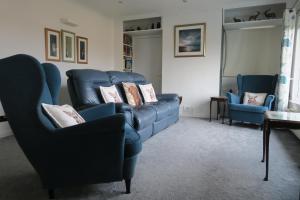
[[51, 194], [128, 184]]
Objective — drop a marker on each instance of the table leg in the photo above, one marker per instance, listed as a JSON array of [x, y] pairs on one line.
[[268, 132], [218, 110], [224, 109], [210, 110], [264, 142]]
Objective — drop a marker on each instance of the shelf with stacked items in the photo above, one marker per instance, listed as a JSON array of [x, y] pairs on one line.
[[127, 52], [255, 17]]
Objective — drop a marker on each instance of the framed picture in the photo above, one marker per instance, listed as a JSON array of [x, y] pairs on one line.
[[68, 46], [82, 50], [190, 40], [52, 45]]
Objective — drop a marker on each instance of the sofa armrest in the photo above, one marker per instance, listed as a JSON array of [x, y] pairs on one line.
[[167, 97], [127, 110], [97, 112], [269, 101], [123, 107], [233, 98]]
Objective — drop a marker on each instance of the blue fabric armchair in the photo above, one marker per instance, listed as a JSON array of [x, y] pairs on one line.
[[256, 84], [104, 149]]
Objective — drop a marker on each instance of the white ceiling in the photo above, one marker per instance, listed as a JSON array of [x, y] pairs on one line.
[[140, 7]]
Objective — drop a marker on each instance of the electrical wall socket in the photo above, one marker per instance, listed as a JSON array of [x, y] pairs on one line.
[[187, 110]]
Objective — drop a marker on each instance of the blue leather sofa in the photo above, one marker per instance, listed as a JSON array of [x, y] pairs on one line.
[[104, 149], [256, 84], [148, 119]]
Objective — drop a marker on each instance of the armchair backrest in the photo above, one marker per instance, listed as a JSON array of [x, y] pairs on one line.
[[24, 85], [256, 84]]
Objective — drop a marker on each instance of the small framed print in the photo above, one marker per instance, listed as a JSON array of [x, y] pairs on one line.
[[190, 40], [68, 46], [52, 45], [82, 50]]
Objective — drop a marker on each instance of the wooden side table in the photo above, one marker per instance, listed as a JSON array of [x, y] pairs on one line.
[[180, 100], [220, 99], [275, 119]]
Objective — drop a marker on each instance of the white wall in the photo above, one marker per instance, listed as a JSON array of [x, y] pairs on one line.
[[147, 58], [255, 51], [22, 31], [194, 78]]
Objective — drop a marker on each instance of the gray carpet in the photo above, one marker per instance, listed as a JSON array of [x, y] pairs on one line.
[[193, 159]]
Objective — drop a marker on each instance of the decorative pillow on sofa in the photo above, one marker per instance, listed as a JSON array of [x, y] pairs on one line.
[[63, 116], [256, 99], [148, 93], [110, 94], [132, 94]]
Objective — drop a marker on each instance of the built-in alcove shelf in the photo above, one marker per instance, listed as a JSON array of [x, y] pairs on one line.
[[243, 18], [253, 24], [144, 32], [134, 28]]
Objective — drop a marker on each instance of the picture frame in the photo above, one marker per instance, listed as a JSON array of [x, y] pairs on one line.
[[68, 46], [190, 40], [52, 44], [82, 50]]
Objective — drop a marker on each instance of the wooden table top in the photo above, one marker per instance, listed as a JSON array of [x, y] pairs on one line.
[[291, 117], [222, 98]]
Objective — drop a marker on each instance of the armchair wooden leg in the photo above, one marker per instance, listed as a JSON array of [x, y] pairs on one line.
[[51, 194], [128, 184], [230, 122]]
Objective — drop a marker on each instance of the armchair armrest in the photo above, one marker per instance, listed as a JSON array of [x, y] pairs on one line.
[[269, 101], [86, 150], [167, 97], [233, 98], [97, 112]]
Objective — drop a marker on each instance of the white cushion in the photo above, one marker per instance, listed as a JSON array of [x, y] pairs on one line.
[[63, 116], [148, 93], [256, 99], [110, 94]]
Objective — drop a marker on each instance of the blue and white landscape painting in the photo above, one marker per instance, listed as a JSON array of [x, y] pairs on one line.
[[190, 40]]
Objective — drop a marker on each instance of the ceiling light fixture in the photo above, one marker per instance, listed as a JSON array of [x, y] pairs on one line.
[[184, 1], [67, 22], [120, 1]]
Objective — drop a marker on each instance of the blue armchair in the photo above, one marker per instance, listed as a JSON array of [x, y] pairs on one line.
[[256, 84], [104, 149]]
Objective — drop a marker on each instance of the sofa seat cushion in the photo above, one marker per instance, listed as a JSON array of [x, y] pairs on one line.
[[133, 143], [144, 116], [162, 108], [248, 108]]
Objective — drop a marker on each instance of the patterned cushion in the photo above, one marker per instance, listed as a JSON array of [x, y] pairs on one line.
[[148, 93], [63, 116], [110, 94], [256, 99], [132, 94]]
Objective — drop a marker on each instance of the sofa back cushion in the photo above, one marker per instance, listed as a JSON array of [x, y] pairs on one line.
[[84, 86], [117, 78]]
